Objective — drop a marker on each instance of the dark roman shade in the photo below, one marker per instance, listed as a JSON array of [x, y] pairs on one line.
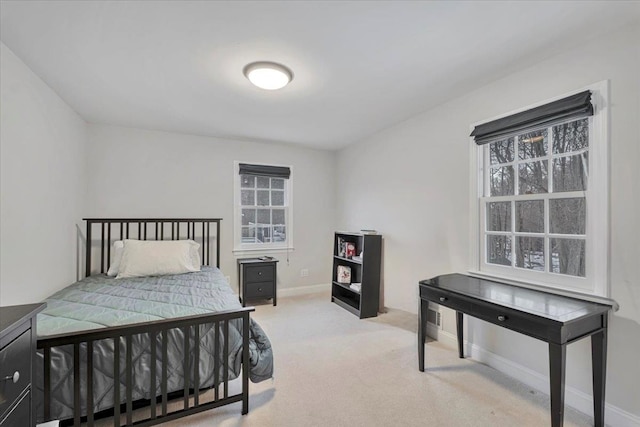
[[571, 107], [264, 170]]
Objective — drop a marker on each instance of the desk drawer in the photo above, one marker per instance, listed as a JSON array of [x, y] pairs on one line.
[[516, 321], [259, 290], [15, 358], [444, 298], [259, 273]]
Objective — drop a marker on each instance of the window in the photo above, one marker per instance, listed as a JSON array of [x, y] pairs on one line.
[[262, 208], [542, 199]]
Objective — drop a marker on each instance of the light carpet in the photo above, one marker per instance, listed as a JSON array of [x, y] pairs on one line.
[[332, 369]]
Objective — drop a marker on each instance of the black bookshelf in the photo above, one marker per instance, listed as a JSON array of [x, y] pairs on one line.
[[366, 271]]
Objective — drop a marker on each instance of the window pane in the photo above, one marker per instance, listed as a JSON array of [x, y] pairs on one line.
[[533, 177], [247, 181], [279, 234], [277, 183], [530, 216], [501, 151], [567, 216], [278, 216], [264, 217], [499, 250], [568, 256], [248, 216], [263, 181], [263, 197], [499, 216], [530, 253], [570, 173], [571, 136], [247, 197], [533, 144], [263, 234], [248, 235], [501, 181], [277, 198]]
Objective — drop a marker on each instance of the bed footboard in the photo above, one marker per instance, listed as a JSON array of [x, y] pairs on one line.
[[157, 332]]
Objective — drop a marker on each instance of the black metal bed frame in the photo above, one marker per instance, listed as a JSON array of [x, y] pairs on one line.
[[155, 229]]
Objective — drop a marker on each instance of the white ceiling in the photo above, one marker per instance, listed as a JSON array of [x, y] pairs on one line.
[[359, 66]]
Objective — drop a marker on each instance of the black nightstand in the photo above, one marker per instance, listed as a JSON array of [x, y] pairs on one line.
[[257, 279], [18, 340]]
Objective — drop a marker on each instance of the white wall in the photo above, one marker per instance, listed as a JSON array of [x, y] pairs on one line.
[[141, 173], [41, 185], [411, 182]]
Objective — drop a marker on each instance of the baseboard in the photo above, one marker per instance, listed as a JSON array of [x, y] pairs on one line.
[[303, 290], [574, 398]]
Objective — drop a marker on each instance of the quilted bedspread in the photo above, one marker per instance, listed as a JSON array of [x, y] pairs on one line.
[[100, 301]]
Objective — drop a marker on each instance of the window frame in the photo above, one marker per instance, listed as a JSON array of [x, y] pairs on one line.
[[238, 246], [596, 280]]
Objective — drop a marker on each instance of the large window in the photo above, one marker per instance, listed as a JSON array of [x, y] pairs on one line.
[[263, 218], [542, 204]]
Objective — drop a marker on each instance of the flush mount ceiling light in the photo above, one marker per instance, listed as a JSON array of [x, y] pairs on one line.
[[268, 75]]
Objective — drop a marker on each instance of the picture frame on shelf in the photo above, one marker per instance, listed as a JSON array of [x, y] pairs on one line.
[[350, 250], [341, 247], [343, 274]]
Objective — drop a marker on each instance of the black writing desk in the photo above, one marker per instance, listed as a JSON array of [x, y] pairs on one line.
[[555, 319]]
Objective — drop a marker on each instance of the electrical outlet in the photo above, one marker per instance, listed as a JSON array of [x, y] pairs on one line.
[[228, 279], [304, 272]]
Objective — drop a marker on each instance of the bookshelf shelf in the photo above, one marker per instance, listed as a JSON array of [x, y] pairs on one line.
[[351, 260]]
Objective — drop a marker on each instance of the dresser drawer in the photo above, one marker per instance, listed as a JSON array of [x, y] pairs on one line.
[[20, 415], [259, 273], [259, 290], [15, 358]]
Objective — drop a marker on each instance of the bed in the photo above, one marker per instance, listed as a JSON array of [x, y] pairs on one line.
[[167, 337]]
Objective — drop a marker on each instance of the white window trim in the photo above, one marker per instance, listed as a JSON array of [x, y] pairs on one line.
[[240, 248], [597, 282]]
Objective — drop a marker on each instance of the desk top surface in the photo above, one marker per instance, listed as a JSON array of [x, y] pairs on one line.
[[537, 302]]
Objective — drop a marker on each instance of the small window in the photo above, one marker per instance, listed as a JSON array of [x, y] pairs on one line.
[[263, 217], [542, 203]]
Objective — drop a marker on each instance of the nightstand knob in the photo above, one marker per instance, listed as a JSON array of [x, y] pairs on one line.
[[15, 377], [443, 299], [259, 273], [502, 318], [260, 289]]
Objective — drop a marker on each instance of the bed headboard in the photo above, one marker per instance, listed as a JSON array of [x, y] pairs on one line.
[[108, 230]]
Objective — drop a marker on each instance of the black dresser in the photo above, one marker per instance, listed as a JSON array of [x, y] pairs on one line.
[[257, 278], [17, 362]]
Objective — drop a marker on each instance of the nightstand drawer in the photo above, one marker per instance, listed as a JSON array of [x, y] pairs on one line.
[[259, 273], [259, 290], [15, 362]]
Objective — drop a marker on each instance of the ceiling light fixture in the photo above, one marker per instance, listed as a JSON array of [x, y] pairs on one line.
[[268, 75]]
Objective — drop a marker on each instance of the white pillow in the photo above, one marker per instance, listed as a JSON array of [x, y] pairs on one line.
[[118, 248], [159, 257]]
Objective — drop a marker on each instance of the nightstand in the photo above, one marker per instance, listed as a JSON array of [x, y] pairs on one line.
[[18, 340], [257, 278]]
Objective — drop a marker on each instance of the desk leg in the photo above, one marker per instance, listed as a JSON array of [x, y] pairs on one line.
[[459, 327], [422, 324], [599, 367], [557, 365]]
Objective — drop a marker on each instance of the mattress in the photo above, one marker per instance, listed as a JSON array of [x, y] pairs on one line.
[[100, 301]]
